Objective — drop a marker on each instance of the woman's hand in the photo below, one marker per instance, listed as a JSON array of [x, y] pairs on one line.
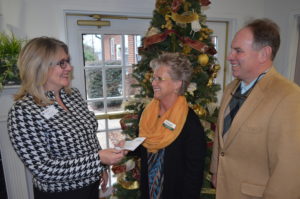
[[120, 145], [104, 180], [111, 156]]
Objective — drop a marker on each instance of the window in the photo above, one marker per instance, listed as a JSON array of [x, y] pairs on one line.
[[107, 75], [102, 60]]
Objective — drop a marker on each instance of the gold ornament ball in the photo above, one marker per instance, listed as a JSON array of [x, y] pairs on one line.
[[203, 59], [199, 110]]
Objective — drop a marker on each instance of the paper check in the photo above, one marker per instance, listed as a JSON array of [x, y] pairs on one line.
[[131, 145]]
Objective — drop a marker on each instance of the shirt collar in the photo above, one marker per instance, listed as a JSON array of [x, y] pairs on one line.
[[245, 88]]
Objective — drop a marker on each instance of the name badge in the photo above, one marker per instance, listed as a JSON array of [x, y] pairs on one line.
[[169, 125], [49, 112]]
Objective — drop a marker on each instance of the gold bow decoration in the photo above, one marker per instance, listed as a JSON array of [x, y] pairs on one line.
[[122, 180], [195, 44]]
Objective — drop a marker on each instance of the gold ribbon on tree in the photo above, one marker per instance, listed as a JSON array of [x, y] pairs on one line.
[[157, 38], [186, 17], [130, 167]]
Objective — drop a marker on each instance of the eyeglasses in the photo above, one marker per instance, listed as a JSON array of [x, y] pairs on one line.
[[63, 63], [159, 79]]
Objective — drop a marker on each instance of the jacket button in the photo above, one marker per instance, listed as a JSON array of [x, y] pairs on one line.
[[222, 153]]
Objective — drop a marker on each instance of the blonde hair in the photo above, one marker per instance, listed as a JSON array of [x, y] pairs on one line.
[[34, 62]]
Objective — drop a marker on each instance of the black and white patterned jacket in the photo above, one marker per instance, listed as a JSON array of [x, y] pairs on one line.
[[59, 147]]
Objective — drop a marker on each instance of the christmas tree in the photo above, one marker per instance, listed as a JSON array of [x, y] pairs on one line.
[[176, 26]]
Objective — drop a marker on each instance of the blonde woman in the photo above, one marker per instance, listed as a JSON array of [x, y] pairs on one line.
[[51, 128]]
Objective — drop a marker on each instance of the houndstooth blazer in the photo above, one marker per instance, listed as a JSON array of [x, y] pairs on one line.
[[59, 147]]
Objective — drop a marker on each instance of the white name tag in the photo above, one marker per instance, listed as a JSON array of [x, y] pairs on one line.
[[169, 125], [49, 112]]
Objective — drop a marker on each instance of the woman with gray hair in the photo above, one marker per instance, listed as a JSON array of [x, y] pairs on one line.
[[172, 155], [51, 128]]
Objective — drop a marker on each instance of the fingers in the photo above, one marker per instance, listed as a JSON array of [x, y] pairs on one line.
[[121, 143], [111, 156], [116, 156], [115, 150], [125, 152]]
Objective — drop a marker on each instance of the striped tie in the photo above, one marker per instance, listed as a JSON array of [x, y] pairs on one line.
[[236, 102], [234, 105]]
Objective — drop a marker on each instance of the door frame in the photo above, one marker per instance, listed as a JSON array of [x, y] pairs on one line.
[[293, 40]]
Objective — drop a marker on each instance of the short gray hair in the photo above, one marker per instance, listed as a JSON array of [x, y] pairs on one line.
[[179, 65]]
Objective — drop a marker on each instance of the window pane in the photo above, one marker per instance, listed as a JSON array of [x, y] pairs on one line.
[[92, 49], [93, 83], [114, 106], [114, 82], [114, 124], [101, 125], [102, 139], [132, 42], [129, 80], [112, 49], [97, 107], [214, 40], [115, 137]]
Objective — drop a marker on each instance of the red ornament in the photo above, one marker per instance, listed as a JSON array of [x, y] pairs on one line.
[[126, 119], [211, 50], [136, 174], [176, 5], [210, 144], [118, 169], [204, 2], [213, 127]]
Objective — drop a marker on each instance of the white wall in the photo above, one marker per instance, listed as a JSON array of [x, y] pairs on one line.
[[32, 18], [240, 10], [285, 14]]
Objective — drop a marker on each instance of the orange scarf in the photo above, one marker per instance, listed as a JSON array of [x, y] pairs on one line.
[[158, 134]]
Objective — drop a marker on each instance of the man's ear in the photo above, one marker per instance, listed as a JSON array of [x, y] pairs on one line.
[[265, 54]]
